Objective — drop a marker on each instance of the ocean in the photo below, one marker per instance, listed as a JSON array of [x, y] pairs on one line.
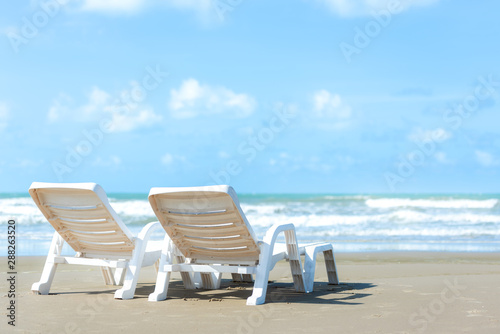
[[353, 223]]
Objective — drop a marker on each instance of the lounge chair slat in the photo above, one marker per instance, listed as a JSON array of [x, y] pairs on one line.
[[96, 248], [66, 197], [202, 219], [202, 203], [102, 227], [219, 243], [102, 238], [235, 256], [197, 213], [98, 213], [219, 231]]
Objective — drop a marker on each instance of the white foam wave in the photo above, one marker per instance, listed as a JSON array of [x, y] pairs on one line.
[[131, 208], [410, 232], [386, 203], [349, 197], [21, 209], [393, 218], [262, 209]]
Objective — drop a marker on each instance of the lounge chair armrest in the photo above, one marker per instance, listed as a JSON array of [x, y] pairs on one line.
[[147, 230], [275, 230], [150, 249], [290, 240]]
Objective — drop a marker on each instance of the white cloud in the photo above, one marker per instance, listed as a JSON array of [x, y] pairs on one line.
[[224, 155], [207, 10], [366, 7], [193, 99], [4, 116], [10, 32], [124, 122], [169, 159], [59, 108], [313, 163], [113, 5], [442, 158], [112, 161], [328, 105], [330, 112], [124, 114], [486, 159], [203, 8], [437, 135], [98, 100], [28, 164]]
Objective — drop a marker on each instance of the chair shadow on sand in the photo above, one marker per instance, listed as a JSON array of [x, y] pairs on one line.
[[345, 293]]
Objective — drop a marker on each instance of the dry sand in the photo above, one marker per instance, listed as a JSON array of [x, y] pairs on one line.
[[379, 293]]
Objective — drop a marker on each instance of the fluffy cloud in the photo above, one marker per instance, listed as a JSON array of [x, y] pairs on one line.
[[112, 5], [442, 158], [28, 164], [328, 105], [200, 6], [203, 8], [4, 115], [486, 159], [329, 112], [366, 7], [124, 113], [169, 159], [193, 99], [112, 161], [207, 10], [438, 135], [312, 163]]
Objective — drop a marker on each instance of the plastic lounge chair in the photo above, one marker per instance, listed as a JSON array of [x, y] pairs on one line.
[[208, 234], [82, 216]]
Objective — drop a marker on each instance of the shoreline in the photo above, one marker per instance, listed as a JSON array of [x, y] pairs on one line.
[[380, 292]]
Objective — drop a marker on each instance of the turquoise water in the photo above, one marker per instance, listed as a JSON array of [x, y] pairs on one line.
[[351, 222]]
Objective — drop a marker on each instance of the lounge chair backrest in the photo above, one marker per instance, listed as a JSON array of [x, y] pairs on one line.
[[206, 223], [81, 214]]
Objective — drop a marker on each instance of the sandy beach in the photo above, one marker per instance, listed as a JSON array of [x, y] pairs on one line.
[[394, 292]]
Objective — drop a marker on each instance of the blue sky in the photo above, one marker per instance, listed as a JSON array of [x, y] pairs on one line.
[[316, 96]]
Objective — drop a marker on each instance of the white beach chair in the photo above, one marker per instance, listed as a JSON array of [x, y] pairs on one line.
[[206, 226], [82, 216]]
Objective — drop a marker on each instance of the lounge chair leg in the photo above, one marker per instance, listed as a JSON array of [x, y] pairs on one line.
[[132, 274], [130, 283], [157, 265], [108, 276], [163, 277], [295, 262], [331, 268], [237, 277], [43, 286], [119, 276], [211, 281], [258, 296], [310, 264], [191, 281], [247, 278]]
